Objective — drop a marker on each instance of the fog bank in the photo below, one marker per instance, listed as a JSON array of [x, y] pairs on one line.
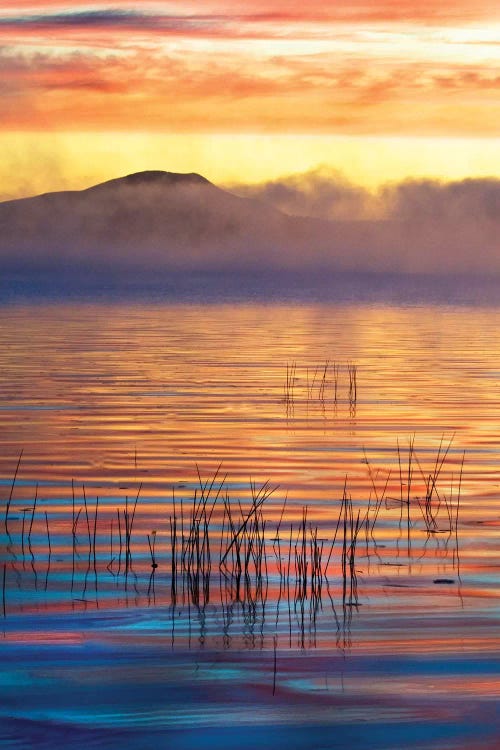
[[160, 221]]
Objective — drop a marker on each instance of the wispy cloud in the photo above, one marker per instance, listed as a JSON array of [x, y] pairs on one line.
[[111, 18], [359, 67], [106, 17], [343, 11], [139, 87]]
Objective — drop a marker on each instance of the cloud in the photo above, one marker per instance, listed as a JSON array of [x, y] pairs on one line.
[[106, 19], [359, 67], [133, 86], [343, 11], [225, 21], [110, 17]]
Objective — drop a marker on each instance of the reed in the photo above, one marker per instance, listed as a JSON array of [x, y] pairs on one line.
[[75, 527], [432, 502], [120, 540], [48, 534], [336, 372], [95, 530], [409, 478], [310, 387], [87, 516], [251, 552], [174, 550], [380, 496], [320, 381], [132, 519], [289, 386], [11, 493], [152, 544], [24, 511], [457, 510], [344, 498], [128, 521], [111, 557], [73, 507], [323, 381], [352, 371], [195, 547], [33, 514]]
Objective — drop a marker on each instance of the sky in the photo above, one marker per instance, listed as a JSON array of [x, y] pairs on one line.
[[248, 92]]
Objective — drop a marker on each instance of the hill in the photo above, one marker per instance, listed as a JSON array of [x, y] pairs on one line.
[[153, 219]]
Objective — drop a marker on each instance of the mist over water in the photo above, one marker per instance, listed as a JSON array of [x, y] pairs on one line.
[[161, 223]]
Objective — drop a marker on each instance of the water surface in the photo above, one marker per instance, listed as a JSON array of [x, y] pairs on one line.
[[136, 399]]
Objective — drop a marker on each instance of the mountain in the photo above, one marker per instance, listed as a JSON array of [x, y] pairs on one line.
[[156, 222], [149, 219]]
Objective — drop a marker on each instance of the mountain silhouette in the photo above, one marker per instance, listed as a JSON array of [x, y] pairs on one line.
[[154, 218]]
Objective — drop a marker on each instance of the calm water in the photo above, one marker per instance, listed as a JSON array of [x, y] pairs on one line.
[[113, 402]]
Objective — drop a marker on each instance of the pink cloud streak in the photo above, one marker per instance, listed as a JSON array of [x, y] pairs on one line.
[[203, 66]]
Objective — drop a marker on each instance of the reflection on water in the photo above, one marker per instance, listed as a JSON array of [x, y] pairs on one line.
[[298, 504]]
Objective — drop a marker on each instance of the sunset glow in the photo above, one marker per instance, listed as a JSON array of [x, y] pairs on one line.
[[249, 374], [225, 87]]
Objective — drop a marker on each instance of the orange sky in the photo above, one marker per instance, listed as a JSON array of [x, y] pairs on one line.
[[357, 69]]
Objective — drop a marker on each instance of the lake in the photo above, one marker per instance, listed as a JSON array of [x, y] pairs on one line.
[[257, 523]]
